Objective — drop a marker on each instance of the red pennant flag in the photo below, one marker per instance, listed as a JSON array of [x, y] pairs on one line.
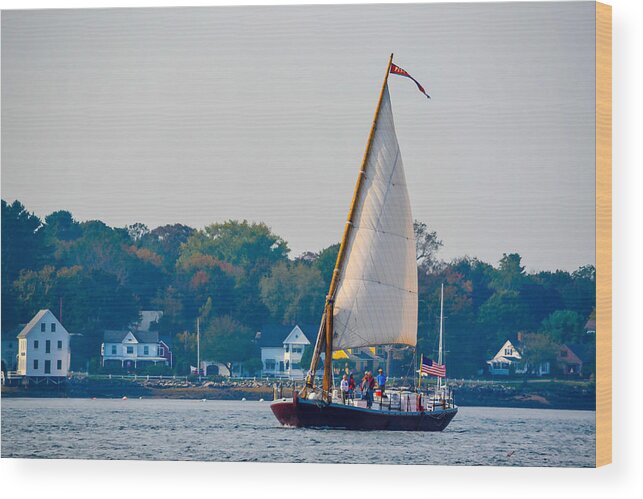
[[396, 70]]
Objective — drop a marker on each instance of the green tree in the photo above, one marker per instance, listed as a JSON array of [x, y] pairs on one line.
[[501, 316], [564, 326], [325, 262], [184, 351], [100, 247], [203, 277], [60, 226], [293, 292], [227, 340], [251, 246], [253, 366], [427, 246], [166, 241], [23, 247], [510, 274], [538, 349]]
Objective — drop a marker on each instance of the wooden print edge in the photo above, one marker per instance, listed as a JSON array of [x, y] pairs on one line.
[[603, 234]]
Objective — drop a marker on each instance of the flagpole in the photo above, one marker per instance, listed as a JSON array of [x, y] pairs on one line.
[[420, 375], [441, 320], [198, 349]]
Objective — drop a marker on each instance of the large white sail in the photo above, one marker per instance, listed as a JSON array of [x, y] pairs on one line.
[[376, 299]]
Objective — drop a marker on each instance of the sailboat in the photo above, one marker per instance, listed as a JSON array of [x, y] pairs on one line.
[[373, 298]]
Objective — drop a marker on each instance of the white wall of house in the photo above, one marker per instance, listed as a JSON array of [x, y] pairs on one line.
[[131, 349], [43, 347], [286, 360], [272, 359]]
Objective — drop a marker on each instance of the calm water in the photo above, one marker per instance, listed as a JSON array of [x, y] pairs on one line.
[[247, 431]]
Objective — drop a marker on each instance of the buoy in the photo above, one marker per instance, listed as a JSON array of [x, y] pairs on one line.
[[260, 400], [203, 400], [124, 398], [140, 398], [93, 398], [243, 399]]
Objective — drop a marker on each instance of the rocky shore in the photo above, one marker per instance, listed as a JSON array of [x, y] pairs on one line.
[[541, 395]]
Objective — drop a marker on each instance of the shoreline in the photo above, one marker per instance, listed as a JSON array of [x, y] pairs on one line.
[[544, 395]]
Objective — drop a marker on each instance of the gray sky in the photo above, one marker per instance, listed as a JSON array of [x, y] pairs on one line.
[[197, 115]]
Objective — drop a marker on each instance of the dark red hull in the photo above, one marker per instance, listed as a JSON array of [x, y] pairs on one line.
[[316, 414]]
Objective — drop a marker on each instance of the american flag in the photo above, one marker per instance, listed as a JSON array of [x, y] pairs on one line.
[[433, 368]]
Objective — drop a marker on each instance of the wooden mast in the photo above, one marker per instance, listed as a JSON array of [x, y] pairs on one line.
[[325, 337]]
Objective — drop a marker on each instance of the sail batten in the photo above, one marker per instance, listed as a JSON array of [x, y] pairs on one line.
[[376, 298]]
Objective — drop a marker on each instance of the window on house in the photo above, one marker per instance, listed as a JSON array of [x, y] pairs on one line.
[[113, 349], [35, 364], [287, 364], [130, 349], [59, 365], [287, 347], [563, 353], [48, 346], [47, 367], [53, 327], [508, 351], [146, 350], [35, 344], [270, 365], [161, 351], [296, 365], [296, 349], [43, 327], [59, 344]]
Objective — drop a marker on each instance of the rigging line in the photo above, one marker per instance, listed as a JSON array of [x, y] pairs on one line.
[[362, 279], [379, 231], [389, 184]]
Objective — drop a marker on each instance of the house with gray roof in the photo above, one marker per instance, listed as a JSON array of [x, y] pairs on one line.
[[282, 348], [132, 349]]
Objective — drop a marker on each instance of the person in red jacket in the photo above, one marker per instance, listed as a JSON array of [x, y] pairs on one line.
[[351, 387], [368, 384]]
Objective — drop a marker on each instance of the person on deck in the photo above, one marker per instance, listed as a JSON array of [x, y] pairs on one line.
[[381, 380], [368, 384], [343, 386], [351, 387]]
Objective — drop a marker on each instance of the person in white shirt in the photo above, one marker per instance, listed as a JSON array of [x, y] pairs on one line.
[[344, 388]]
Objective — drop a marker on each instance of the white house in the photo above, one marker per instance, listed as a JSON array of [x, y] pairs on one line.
[[43, 348], [132, 349], [281, 350], [509, 360], [508, 356]]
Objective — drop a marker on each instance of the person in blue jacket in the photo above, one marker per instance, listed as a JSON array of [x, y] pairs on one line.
[[381, 380]]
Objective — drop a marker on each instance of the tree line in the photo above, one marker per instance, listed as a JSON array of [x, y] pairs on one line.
[[237, 276]]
